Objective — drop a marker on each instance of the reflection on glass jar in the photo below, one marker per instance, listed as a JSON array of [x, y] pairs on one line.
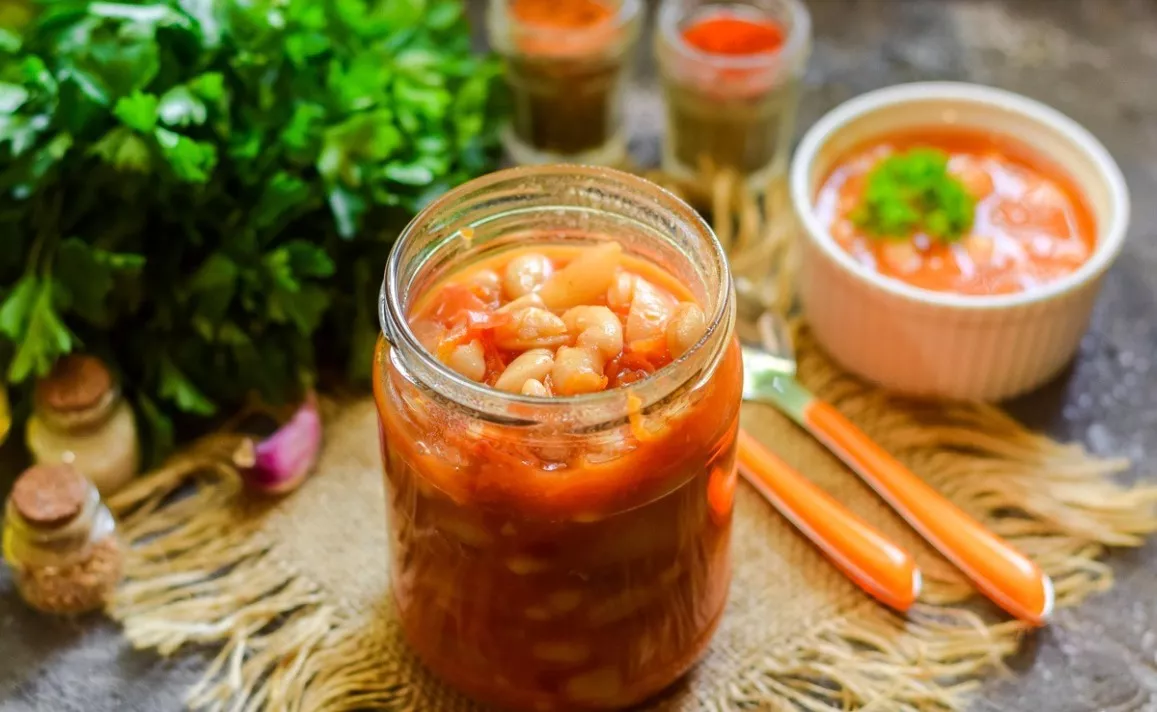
[[731, 73], [565, 552], [566, 61]]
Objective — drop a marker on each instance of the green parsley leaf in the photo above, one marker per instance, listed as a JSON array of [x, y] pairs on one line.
[[210, 86], [179, 390], [124, 150], [158, 429], [45, 339], [285, 195], [9, 41], [88, 275], [17, 307], [180, 107], [138, 111], [191, 161], [12, 97], [913, 192]]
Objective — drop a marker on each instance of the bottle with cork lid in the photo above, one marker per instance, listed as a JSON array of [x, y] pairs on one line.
[[80, 418], [60, 541]]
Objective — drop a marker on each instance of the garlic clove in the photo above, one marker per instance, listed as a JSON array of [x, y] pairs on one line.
[[281, 462]]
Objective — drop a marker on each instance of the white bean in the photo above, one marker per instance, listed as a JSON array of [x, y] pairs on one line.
[[980, 249], [595, 327], [534, 387], [585, 279], [651, 308], [621, 292], [525, 273], [685, 328], [533, 364], [469, 360], [526, 300], [902, 256], [531, 328], [976, 180], [577, 370], [486, 283]]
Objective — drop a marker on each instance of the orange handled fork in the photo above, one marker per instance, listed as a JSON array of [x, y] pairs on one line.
[[1008, 577], [884, 570]]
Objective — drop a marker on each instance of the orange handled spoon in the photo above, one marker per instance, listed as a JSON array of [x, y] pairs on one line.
[[1006, 576], [871, 561]]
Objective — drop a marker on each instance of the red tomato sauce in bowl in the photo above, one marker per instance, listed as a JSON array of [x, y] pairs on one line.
[[1031, 225]]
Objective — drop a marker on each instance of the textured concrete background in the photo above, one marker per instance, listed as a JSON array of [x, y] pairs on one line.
[[1093, 59]]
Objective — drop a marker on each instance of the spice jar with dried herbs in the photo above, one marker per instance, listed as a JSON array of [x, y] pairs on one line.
[[566, 61], [60, 541], [80, 418], [731, 73]]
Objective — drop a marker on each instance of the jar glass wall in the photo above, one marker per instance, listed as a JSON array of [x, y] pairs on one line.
[[570, 552], [565, 70], [731, 99]]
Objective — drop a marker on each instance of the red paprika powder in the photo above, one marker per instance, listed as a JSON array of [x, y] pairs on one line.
[[735, 36], [731, 73]]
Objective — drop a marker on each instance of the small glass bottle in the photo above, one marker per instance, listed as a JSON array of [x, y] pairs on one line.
[[80, 418], [60, 541], [731, 99], [565, 64]]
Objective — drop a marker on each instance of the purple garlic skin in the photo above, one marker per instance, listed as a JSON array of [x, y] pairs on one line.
[[281, 462]]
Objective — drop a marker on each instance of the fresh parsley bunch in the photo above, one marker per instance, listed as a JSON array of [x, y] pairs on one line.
[[203, 192]]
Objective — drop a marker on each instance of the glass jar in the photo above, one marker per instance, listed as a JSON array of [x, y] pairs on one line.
[[80, 418], [570, 552], [733, 110], [566, 72], [60, 541]]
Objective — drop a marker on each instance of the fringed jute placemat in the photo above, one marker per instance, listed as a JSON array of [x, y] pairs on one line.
[[294, 596]]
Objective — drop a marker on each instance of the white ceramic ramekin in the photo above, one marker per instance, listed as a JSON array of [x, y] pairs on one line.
[[927, 343]]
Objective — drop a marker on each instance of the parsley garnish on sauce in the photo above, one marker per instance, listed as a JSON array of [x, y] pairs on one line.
[[913, 192]]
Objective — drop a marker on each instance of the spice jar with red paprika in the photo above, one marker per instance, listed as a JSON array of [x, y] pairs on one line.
[[566, 61], [731, 73]]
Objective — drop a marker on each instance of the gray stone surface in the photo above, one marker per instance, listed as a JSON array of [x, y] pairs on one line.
[[1093, 59]]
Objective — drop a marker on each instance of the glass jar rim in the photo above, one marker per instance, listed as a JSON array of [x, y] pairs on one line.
[[395, 326], [669, 33]]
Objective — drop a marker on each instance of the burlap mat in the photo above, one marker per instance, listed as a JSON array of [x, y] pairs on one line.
[[295, 595]]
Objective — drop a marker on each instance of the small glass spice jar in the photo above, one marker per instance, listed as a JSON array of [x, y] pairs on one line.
[[566, 552], [566, 61], [80, 418], [731, 73], [60, 541]]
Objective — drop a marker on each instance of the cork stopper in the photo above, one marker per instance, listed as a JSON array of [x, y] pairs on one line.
[[75, 383], [49, 496]]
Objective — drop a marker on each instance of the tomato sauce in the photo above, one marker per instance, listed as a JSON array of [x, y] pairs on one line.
[[540, 569], [1031, 226]]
